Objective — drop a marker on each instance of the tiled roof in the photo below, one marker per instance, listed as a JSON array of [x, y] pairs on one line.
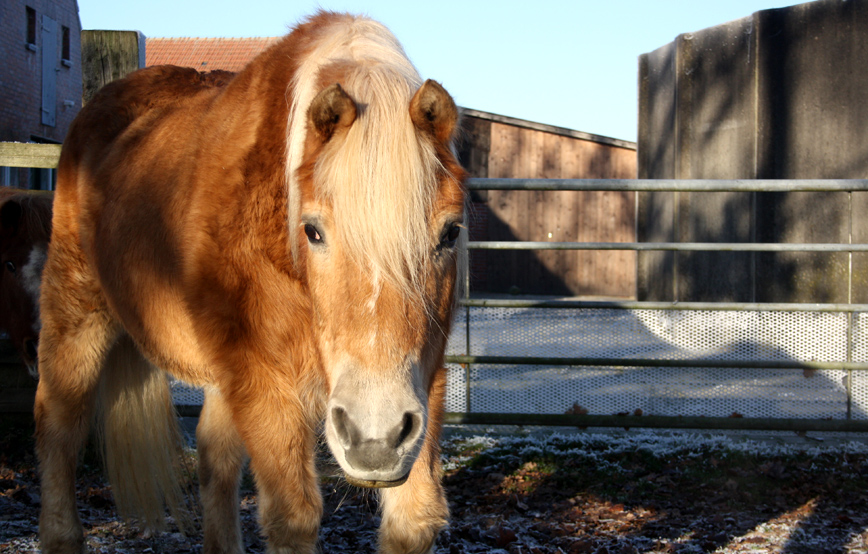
[[205, 54]]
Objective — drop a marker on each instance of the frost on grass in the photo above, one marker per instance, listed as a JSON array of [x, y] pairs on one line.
[[605, 450]]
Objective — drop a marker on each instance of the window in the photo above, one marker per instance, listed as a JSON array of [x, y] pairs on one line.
[[64, 48], [31, 28]]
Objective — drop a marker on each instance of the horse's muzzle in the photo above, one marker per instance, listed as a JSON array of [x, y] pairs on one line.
[[376, 450], [375, 429]]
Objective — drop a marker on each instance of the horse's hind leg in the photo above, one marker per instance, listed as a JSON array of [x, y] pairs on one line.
[[76, 335], [221, 456], [415, 512]]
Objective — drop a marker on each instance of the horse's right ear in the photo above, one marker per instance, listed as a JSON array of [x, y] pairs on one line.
[[331, 111], [10, 216]]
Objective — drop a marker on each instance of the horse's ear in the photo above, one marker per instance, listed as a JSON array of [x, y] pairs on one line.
[[10, 216], [433, 111], [331, 111]]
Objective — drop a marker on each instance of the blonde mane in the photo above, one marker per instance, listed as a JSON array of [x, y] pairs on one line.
[[381, 178]]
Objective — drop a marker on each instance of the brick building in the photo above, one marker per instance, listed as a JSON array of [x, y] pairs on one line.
[[40, 77]]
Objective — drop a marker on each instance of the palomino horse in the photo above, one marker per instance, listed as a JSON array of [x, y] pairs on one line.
[[25, 227], [284, 238]]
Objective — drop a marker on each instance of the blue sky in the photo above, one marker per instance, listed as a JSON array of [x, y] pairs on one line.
[[570, 63]]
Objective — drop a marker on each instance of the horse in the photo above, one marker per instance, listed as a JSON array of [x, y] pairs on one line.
[[25, 228], [286, 239]]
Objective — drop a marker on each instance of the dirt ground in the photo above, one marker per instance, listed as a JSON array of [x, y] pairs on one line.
[[569, 492]]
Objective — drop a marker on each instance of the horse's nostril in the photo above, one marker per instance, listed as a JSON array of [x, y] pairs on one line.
[[409, 428], [342, 426]]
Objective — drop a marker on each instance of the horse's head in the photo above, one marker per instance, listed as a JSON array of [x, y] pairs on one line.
[[25, 227], [381, 207]]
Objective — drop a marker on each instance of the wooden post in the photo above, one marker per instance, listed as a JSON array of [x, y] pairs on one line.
[[107, 56]]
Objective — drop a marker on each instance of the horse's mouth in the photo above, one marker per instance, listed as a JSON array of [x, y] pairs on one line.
[[368, 484]]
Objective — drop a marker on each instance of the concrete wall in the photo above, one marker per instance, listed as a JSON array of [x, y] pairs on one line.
[[776, 95]]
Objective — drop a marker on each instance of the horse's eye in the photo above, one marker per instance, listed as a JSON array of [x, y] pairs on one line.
[[312, 234], [450, 235], [10, 267]]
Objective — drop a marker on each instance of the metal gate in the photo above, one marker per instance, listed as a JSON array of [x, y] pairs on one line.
[[659, 364]]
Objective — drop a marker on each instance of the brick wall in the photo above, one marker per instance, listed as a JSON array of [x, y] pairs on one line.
[[21, 70]]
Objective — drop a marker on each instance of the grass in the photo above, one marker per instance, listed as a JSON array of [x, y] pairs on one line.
[[643, 467]]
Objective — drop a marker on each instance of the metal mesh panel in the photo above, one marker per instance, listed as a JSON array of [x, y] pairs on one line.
[[187, 395], [860, 337], [456, 388], [661, 334]]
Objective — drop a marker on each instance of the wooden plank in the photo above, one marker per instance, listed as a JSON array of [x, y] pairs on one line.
[[624, 166], [571, 203], [20, 154], [524, 165], [551, 213], [536, 274], [502, 221], [625, 261]]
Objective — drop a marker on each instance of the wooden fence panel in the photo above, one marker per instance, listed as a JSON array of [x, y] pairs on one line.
[[517, 152]]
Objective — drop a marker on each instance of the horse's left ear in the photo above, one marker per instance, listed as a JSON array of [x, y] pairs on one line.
[[433, 111], [10, 216]]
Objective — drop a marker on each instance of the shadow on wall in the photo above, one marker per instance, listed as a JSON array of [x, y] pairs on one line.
[[509, 272], [776, 95], [751, 276]]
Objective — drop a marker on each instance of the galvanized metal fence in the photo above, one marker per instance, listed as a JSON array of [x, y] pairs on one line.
[[733, 365]]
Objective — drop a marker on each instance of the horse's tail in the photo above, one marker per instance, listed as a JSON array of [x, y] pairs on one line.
[[141, 439]]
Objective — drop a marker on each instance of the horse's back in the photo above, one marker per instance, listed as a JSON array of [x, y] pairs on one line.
[[131, 105], [123, 197]]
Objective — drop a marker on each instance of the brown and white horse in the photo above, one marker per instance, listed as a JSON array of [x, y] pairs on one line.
[[284, 238], [25, 228]]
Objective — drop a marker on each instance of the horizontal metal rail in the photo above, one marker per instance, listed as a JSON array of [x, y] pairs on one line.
[[648, 305], [671, 185], [660, 422], [652, 362], [669, 246]]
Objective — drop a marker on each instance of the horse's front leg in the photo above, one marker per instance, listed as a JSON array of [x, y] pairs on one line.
[[279, 434], [415, 512]]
